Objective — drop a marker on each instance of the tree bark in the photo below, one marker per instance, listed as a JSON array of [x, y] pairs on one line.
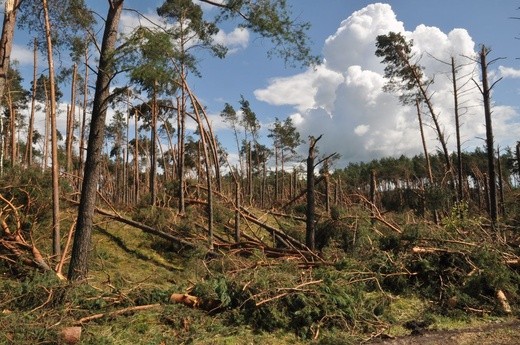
[[78, 267], [70, 120], [6, 41], [518, 157], [181, 132], [502, 203], [426, 157], [84, 114], [237, 211], [46, 135], [196, 106], [136, 157], [493, 213], [153, 147], [373, 185], [276, 183], [327, 190], [12, 124], [56, 247], [310, 239], [460, 185], [28, 148]]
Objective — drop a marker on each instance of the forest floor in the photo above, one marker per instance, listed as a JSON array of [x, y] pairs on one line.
[[367, 294], [504, 333]]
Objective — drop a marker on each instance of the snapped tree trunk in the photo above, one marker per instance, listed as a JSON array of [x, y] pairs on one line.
[[310, 239], [78, 267]]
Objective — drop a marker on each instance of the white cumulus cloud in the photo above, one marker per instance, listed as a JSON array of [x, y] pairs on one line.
[[131, 20], [234, 40], [23, 54], [343, 98], [509, 72]]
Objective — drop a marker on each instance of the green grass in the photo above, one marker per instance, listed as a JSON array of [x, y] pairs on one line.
[[351, 302]]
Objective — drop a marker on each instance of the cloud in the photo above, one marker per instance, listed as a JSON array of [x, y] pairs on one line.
[[130, 21], [236, 39], [22, 54], [344, 99], [509, 72], [207, 7], [310, 89]]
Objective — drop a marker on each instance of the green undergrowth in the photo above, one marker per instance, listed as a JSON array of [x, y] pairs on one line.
[[367, 280]]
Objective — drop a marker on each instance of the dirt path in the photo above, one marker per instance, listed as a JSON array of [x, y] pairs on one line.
[[507, 333]]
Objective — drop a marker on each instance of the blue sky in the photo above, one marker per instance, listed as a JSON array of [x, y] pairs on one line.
[[342, 99]]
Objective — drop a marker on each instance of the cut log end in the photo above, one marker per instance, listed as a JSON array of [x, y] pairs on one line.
[[70, 335]]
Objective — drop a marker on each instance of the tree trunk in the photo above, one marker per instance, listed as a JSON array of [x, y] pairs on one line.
[[460, 185], [500, 185], [282, 158], [6, 41], [136, 158], [84, 117], [70, 120], [310, 239], [214, 153], [181, 131], [153, 147], [373, 185], [12, 125], [427, 157], [2, 145], [78, 268], [327, 191], [203, 134], [493, 213], [440, 134], [46, 135], [276, 183], [237, 211], [486, 192], [28, 151], [126, 154], [264, 185], [54, 141], [518, 157], [249, 174]]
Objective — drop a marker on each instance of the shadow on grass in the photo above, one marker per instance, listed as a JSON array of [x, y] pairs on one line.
[[140, 255]]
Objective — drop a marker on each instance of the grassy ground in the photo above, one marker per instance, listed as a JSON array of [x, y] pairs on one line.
[[364, 294]]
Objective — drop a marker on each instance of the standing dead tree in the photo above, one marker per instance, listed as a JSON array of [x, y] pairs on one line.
[[310, 226], [485, 90], [310, 233]]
